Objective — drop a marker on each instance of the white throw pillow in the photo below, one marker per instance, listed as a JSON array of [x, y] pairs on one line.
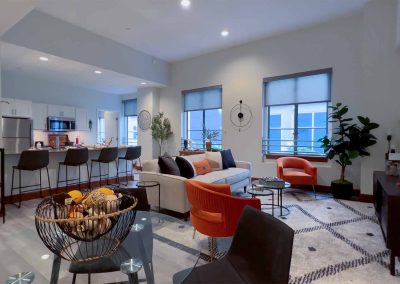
[[215, 160]]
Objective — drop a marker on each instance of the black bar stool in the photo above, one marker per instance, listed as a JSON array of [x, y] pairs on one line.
[[31, 160], [107, 156], [74, 158], [131, 154]]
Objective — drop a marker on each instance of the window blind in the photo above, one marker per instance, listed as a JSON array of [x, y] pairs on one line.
[[301, 89], [201, 99], [130, 107]]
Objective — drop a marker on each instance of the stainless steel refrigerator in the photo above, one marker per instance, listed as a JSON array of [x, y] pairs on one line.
[[17, 134]]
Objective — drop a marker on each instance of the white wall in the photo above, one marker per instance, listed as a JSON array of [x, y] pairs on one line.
[[381, 73], [21, 86], [240, 71]]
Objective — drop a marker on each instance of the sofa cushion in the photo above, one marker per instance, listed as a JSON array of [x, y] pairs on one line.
[[227, 159], [185, 167], [229, 176], [236, 175], [215, 160], [168, 165], [202, 167]]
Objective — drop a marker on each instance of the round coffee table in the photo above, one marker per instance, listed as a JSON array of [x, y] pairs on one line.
[[264, 187], [256, 190]]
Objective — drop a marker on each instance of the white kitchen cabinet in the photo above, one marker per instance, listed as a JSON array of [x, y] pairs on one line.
[[61, 111], [16, 108], [39, 116], [81, 119]]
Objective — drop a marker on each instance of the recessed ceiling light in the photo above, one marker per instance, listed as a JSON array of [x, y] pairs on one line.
[[185, 3], [224, 33], [143, 83], [98, 71], [45, 256], [43, 58]]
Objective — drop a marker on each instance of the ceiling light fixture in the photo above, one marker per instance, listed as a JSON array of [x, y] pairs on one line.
[[45, 256], [98, 71], [43, 58], [224, 33], [143, 83], [185, 3]]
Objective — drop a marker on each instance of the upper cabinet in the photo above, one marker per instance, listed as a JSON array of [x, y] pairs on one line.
[[61, 111], [16, 108], [39, 116], [81, 119]]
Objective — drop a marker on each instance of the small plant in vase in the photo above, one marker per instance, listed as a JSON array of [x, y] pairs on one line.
[[161, 129], [208, 135], [349, 141]]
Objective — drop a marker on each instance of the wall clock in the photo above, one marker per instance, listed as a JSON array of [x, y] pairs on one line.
[[241, 116], [144, 120]]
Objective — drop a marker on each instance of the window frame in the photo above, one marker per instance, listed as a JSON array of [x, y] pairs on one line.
[[185, 129], [266, 109], [127, 129]]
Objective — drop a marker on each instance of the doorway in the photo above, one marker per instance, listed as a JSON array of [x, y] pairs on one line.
[[108, 127]]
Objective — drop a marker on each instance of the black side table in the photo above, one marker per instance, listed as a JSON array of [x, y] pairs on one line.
[[147, 184], [257, 190]]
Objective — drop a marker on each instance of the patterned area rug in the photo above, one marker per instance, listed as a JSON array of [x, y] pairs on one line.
[[336, 241]]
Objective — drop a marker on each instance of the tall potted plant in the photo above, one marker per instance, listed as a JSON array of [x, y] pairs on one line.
[[161, 129], [349, 141]]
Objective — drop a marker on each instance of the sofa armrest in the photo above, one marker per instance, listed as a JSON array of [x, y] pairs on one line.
[[244, 165]]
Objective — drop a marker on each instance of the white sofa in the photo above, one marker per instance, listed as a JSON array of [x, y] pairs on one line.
[[173, 192]]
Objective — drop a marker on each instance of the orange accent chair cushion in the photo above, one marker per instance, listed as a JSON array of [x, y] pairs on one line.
[[215, 212], [286, 170], [202, 167]]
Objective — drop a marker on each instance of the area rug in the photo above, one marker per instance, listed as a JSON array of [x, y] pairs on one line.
[[336, 241]]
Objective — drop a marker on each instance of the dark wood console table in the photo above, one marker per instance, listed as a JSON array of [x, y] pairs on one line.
[[387, 207]]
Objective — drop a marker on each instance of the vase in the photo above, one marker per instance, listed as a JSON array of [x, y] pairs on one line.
[[208, 145]]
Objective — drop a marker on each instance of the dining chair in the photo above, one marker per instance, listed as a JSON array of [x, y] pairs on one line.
[[260, 252], [297, 171]]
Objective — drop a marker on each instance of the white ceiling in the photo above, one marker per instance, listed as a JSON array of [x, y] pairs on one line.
[[16, 58], [165, 30]]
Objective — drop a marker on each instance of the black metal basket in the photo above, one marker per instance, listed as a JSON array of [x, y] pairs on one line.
[[76, 237]]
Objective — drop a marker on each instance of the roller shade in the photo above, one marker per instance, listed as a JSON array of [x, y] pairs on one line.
[[130, 107], [209, 98], [300, 89]]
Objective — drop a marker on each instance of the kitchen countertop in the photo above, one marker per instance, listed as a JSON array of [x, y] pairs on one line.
[[65, 149]]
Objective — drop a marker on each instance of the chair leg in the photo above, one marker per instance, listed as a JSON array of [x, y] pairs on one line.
[[117, 165], [79, 177], [132, 173], [89, 278], [87, 169], [40, 183], [12, 186], [48, 179], [108, 173], [66, 178], [194, 233], [90, 176], [315, 193], [58, 178], [19, 186], [74, 278], [100, 173], [213, 248]]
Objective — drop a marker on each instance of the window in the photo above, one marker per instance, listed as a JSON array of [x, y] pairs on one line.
[[202, 112], [101, 135], [296, 113], [131, 123]]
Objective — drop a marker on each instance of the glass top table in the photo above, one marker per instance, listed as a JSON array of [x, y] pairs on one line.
[[161, 244]]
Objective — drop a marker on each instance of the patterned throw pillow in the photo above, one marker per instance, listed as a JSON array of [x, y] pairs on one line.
[[215, 160], [202, 167]]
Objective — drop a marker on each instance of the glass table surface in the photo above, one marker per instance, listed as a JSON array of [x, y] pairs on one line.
[[161, 243]]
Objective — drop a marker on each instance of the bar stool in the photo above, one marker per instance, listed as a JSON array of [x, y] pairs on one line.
[[131, 154], [74, 158], [31, 160], [107, 156]]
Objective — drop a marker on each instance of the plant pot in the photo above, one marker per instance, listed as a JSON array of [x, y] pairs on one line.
[[342, 189], [208, 146]]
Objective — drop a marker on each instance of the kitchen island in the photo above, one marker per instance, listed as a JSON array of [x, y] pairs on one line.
[[56, 156]]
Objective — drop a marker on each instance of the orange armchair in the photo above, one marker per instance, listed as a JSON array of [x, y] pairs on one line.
[[215, 212], [306, 177]]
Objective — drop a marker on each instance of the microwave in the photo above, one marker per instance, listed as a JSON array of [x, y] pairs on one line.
[[60, 124]]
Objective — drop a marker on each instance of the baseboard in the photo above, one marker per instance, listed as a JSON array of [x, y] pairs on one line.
[[46, 192]]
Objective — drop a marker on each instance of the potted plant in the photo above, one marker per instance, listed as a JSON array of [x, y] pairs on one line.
[[161, 129], [349, 141], [208, 135]]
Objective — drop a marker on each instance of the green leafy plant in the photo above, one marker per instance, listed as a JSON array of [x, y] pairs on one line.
[[350, 140], [161, 129]]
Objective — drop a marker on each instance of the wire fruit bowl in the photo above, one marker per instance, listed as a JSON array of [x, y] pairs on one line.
[[84, 232]]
